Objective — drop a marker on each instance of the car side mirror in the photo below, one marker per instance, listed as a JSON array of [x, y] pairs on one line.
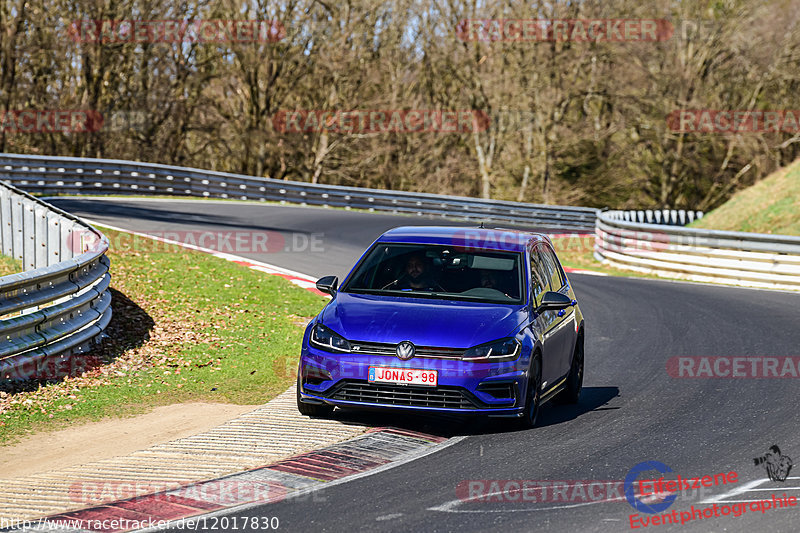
[[328, 285], [553, 301]]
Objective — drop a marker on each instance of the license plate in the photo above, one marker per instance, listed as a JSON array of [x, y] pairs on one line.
[[403, 376]]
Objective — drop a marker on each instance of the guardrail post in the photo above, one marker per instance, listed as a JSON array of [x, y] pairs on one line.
[[6, 240], [17, 236], [28, 235], [40, 240]]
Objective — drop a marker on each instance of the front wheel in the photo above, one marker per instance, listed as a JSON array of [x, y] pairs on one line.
[[533, 397], [315, 410]]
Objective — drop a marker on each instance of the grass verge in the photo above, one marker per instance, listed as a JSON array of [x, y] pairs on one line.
[[770, 206], [578, 252], [187, 327], [9, 265]]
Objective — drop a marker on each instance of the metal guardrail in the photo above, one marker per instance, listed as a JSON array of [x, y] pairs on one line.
[[70, 175], [59, 306], [746, 259], [667, 217]]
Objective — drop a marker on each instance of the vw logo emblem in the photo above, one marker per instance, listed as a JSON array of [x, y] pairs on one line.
[[405, 351]]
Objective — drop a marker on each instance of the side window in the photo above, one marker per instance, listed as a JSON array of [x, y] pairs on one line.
[[555, 276], [544, 268], [560, 269], [538, 283]]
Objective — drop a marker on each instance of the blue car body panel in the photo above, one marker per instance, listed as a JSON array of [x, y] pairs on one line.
[[425, 322]]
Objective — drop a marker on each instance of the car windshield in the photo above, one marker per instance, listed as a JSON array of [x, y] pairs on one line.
[[437, 271]]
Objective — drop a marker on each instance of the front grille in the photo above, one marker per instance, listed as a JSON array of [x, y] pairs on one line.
[[380, 348], [446, 397]]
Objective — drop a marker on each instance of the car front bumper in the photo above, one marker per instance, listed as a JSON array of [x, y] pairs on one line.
[[494, 389]]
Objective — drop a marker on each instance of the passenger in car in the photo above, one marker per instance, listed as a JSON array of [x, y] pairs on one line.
[[494, 279]]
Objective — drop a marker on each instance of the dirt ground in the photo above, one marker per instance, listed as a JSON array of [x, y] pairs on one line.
[[96, 441]]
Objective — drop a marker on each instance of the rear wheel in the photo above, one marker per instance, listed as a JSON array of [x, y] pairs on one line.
[[572, 393], [316, 410], [533, 398]]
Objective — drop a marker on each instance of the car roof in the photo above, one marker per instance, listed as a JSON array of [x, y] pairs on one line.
[[509, 240]]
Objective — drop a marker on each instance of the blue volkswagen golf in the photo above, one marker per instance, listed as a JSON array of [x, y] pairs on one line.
[[448, 320]]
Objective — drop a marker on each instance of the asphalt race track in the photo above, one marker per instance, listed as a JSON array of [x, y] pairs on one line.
[[631, 410], [314, 241]]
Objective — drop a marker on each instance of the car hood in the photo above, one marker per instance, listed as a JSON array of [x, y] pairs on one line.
[[423, 321]]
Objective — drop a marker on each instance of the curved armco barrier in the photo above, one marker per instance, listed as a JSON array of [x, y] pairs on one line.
[[746, 259], [70, 175], [55, 310], [669, 217]]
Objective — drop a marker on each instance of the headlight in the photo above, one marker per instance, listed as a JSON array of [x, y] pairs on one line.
[[501, 350], [326, 339]]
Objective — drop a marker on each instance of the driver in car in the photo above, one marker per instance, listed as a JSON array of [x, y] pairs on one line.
[[417, 274]]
